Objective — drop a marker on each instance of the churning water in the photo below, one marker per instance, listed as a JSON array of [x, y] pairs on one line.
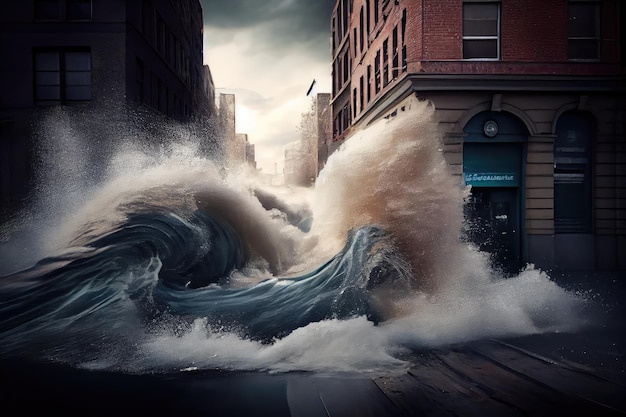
[[162, 262]]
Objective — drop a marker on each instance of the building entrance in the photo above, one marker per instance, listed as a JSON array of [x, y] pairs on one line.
[[492, 216], [493, 155]]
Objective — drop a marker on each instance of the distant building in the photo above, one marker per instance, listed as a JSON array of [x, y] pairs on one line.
[[237, 149], [227, 128], [306, 157], [112, 68], [323, 129], [292, 163], [250, 154], [529, 96]]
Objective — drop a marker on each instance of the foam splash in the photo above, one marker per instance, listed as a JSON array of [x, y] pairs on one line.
[[391, 175], [403, 185]]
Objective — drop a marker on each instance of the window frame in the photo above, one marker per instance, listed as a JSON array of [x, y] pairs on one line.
[[598, 33], [64, 85], [63, 8], [497, 37]]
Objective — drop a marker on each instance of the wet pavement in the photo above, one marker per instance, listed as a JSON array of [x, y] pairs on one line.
[[569, 374]]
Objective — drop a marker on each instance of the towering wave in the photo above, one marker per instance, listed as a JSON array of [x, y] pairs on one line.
[[167, 264]]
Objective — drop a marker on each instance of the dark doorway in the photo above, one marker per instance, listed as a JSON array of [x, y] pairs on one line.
[[493, 224]]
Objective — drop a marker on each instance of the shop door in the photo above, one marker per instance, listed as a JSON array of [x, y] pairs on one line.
[[493, 224]]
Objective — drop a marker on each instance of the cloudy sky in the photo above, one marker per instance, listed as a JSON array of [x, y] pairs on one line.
[[267, 52]]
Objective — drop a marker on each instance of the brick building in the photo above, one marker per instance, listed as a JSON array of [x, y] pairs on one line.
[[109, 69], [528, 95]]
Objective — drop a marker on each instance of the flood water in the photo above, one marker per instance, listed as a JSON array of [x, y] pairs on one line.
[[162, 263]]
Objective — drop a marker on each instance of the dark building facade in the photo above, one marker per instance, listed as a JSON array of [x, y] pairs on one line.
[[528, 95], [111, 67]]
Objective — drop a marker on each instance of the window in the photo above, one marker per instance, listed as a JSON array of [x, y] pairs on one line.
[[377, 72], [369, 83], [376, 8], [62, 9], [404, 66], [394, 45], [78, 10], [77, 76], [572, 173], [148, 27], [583, 31], [481, 31], [345, 14], [362, 28], [386, 62], [361, 89], [368, 14], [161, 32], [346, 67], [48, 10], [62, 75], [334, 79], [334, 33], [342, 121]]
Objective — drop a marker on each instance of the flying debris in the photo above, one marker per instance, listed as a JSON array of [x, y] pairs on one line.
[[310, 90]]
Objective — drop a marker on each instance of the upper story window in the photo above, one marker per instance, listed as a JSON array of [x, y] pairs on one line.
[[62, 9], [481, 31], [62, 75], [583, 31]]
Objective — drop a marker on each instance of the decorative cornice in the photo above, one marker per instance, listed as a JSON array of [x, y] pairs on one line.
[[414, 83]]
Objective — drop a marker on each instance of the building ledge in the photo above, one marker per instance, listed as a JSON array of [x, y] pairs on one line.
[[418, 82], [508, 82]]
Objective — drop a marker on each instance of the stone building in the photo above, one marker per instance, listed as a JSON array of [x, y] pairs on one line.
[[236, 147], [112, 70], [305, 158], [227, 125], [528, 94]]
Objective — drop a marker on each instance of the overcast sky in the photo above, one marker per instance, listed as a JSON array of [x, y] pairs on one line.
[[267, 52]]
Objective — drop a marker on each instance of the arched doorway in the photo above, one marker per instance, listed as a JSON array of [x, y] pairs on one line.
[[494, 152], [572, 172]]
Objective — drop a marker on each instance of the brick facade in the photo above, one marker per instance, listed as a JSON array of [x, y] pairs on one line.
[[532, 80]]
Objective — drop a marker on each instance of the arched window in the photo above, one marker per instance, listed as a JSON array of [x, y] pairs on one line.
[[572, 173]]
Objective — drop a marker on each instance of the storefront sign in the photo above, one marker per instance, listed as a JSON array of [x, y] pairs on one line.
[[492, 164], [491, 179]]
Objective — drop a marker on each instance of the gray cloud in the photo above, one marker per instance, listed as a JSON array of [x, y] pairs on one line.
[[295, 23], [267, 52]]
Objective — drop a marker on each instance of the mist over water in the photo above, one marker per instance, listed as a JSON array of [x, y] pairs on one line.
[[382, 269]]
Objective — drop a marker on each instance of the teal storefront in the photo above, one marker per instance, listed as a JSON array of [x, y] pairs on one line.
[[494, 151]]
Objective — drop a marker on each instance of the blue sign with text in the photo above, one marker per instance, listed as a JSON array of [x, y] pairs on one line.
[[491, 179]]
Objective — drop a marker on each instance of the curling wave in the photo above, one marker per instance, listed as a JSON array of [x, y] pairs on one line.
[[159, 263]]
